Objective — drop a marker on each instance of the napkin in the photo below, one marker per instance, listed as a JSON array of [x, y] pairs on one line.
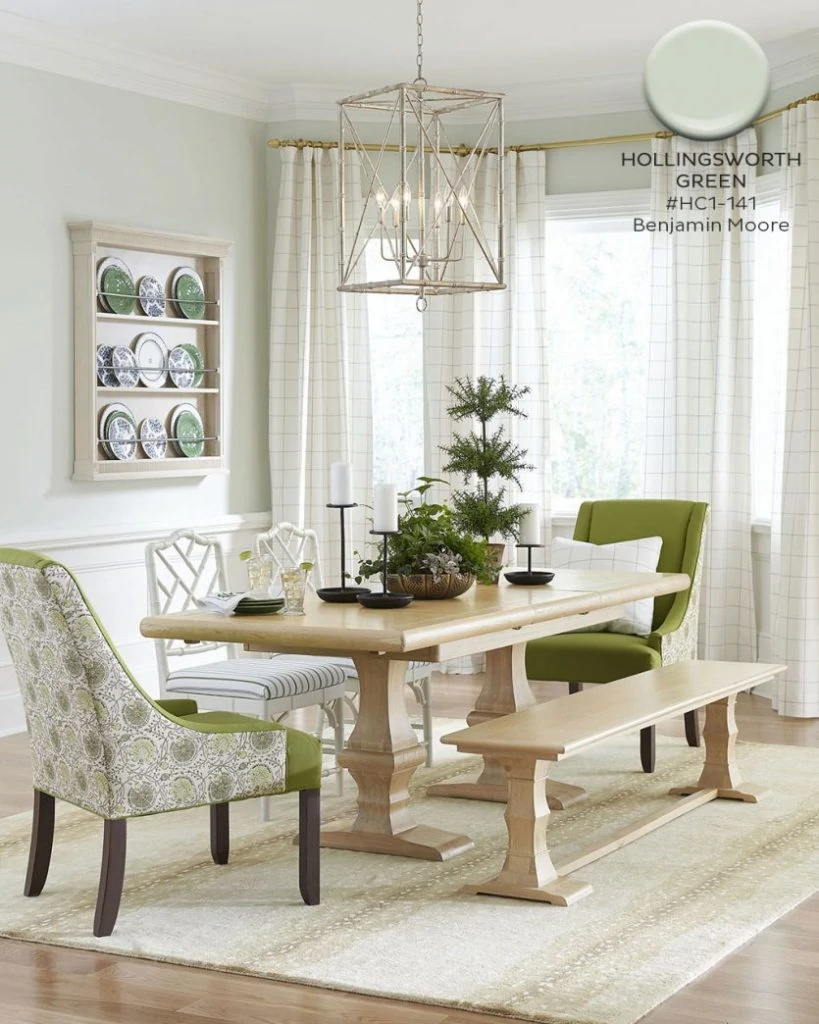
[[222, 604]]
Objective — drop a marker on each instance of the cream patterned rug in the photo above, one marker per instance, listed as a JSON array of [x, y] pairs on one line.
[[663, 910]]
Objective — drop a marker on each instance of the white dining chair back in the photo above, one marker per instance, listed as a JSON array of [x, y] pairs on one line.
[[186, 566], [289, 545], [181, 568]]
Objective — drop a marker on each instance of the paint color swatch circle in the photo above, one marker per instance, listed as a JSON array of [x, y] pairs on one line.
[[707, 79]]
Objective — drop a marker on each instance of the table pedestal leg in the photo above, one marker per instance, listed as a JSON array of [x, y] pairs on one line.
[[505, 690], [381, 755], [721, 771]]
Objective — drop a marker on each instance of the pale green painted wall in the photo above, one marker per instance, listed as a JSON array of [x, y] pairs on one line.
[[78, 151]]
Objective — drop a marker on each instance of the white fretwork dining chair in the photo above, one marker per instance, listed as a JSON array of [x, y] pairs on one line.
[[187, 565], [290, 545]]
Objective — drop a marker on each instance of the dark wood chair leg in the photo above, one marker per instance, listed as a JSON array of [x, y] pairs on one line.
[[575, 687], [692, 728], [310, 846], [648, 748], [42, 839], [112, 874], [220, 833]]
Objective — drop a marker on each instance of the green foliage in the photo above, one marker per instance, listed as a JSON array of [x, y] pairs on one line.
[[484, 398], [483, 456], [428, 530], [484, 516]]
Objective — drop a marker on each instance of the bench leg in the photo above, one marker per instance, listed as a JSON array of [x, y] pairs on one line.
[[505, 690], [528, 872], [721, 771]]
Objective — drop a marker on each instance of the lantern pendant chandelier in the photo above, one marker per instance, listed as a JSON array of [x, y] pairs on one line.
[[418, 207]]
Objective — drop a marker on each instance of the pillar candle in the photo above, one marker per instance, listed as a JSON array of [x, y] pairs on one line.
[[385, 508], [341, 483], [530, 525]]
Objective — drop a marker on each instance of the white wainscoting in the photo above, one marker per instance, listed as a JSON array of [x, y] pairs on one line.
[[110, 566]]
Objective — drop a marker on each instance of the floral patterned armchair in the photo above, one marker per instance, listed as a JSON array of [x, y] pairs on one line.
[[100, 742]]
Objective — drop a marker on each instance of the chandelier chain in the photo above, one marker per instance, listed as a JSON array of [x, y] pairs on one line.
[[419, 60]]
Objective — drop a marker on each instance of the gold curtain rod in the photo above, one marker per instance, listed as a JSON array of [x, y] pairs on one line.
[[533, 147]]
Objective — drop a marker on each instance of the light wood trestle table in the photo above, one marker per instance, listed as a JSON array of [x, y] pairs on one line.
[[383, 752]]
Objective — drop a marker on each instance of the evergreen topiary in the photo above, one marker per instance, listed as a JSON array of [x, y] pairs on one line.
[[483, 456]]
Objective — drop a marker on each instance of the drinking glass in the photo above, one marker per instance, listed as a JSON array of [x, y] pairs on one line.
[[294, 582], [259, 575]]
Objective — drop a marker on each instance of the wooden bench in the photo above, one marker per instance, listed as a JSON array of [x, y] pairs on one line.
[[527, 741]]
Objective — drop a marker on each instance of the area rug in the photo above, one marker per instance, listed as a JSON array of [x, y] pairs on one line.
[[663, 910]]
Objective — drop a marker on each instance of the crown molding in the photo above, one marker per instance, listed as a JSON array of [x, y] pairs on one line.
[[45, 47], [794, 60], [34, 44]]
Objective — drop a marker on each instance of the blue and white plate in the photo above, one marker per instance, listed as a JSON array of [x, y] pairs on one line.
[[108, 411], [181, 367], [121, 435], [125, 367], [151, 296], [105, 368], [153, 437]]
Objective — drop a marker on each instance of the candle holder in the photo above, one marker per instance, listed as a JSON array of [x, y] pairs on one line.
[[385, 600], [529, 577], [342, 594]]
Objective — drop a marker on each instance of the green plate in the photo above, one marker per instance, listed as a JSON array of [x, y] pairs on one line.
[[119, 291], [198, 362], [190, 435], [189, 295], [250, 607]]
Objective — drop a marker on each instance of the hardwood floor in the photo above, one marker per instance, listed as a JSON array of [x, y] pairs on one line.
[[772, 980]]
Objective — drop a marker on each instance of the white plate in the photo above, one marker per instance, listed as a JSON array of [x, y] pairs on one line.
[[151, 296], [151, 360], [102, 266], [181, 367], [124, 362]]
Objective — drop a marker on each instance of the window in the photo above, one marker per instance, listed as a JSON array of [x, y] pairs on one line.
[[771, 301], [598, 303], [397, 381]]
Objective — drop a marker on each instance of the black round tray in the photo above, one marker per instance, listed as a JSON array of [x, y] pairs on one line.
[[384, 600], [341, 595], [529, 579]]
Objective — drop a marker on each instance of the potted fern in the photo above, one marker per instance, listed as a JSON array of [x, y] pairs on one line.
[[487, 460]]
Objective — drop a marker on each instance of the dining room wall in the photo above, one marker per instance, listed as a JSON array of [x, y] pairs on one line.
[[76, 151]]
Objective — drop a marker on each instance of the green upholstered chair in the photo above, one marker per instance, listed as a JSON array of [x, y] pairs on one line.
[[98, 740], [603, 657]]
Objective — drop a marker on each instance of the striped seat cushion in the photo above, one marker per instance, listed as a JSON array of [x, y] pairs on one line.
[[259, 678]]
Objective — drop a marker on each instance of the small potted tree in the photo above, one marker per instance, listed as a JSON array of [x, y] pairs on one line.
[[482, 457]]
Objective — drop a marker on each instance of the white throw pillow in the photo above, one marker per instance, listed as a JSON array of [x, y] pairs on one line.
[[640, 555]]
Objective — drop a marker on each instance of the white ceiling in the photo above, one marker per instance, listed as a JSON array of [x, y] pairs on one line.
[[251, 47]]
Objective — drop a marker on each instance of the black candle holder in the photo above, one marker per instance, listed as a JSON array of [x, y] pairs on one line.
[[342, 594], [385, 600], [529, 578]]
